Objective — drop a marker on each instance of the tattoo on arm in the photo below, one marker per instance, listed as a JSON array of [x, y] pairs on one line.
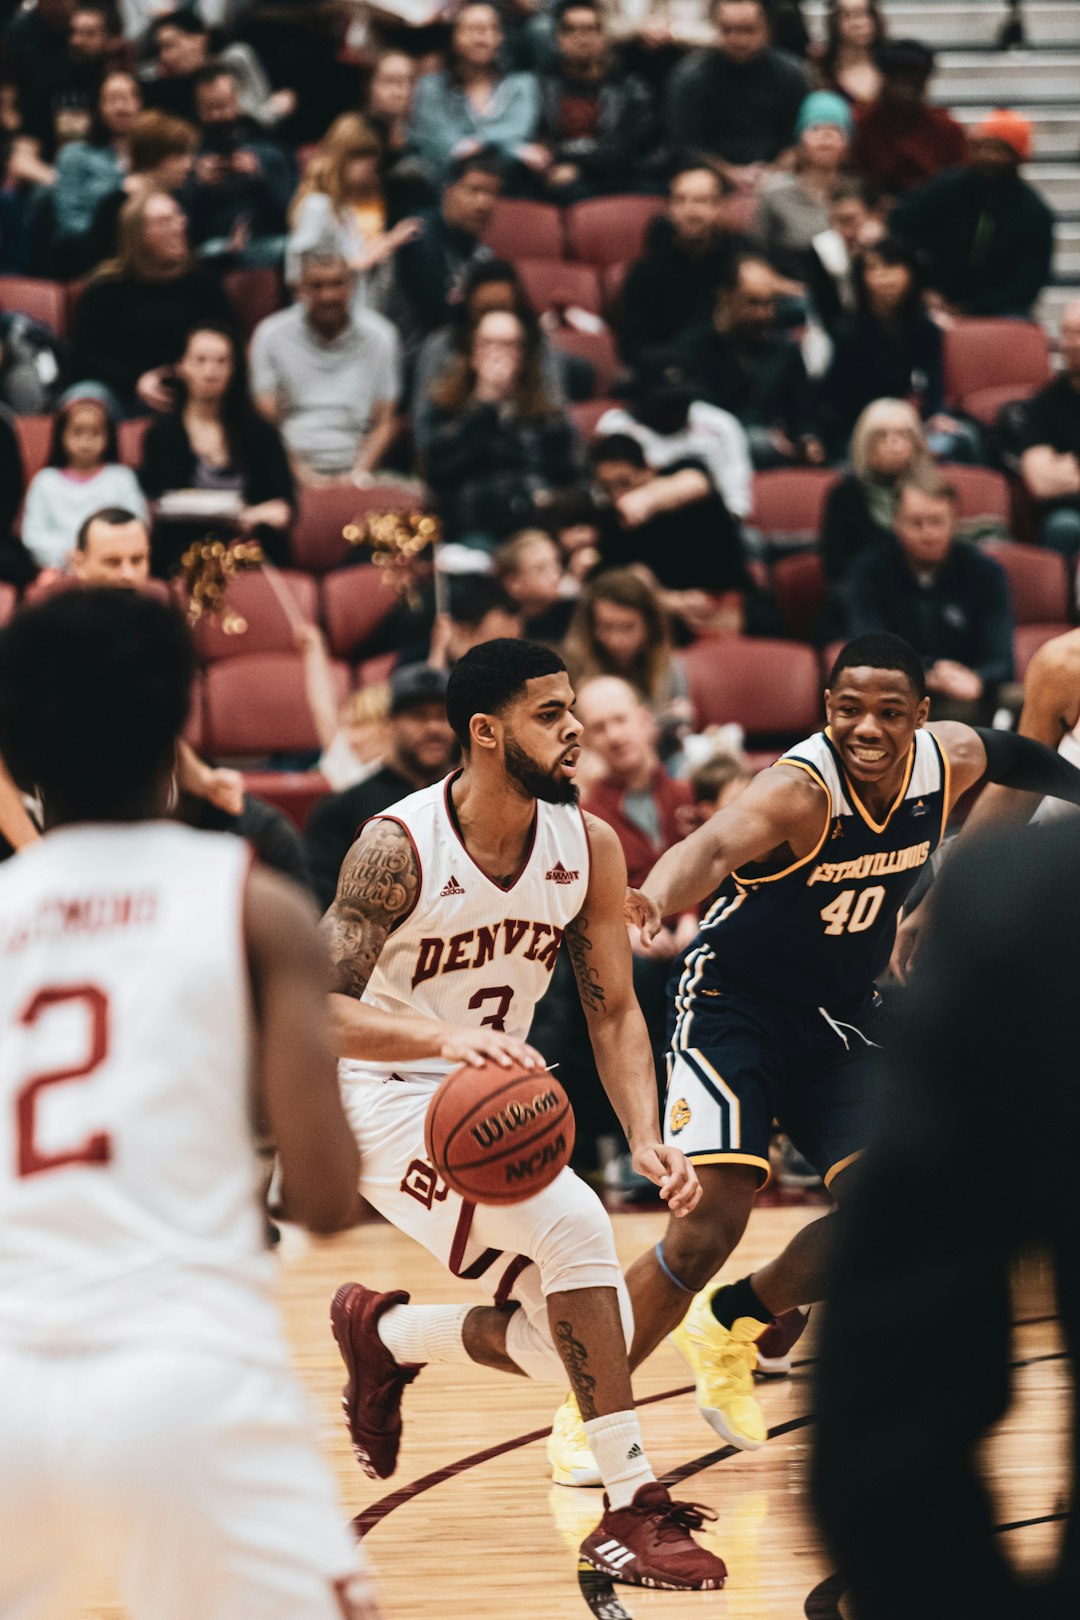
[[575, 1359], [590, 986], [378, 886]]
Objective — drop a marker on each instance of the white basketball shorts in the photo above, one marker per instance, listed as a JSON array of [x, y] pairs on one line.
[[190, 1480]]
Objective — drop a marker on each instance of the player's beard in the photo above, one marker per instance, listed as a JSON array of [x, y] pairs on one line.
[[537, 782]]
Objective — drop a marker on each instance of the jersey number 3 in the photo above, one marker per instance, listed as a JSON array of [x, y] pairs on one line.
[[854, 911], [97, 1148], [502, 995]]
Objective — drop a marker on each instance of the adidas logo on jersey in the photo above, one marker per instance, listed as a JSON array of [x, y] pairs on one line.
[[559, 874], [452, 886]]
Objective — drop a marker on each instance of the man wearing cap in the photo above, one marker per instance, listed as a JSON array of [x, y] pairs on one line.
[[421, 750], [900, 140], [987, 235]]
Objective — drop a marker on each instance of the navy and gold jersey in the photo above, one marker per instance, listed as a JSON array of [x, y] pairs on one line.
[[820, 930]]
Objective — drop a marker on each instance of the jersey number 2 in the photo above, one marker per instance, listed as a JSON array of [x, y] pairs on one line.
[[97, 1148]]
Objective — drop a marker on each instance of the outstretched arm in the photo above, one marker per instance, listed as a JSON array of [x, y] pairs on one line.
[[378, 887], [599, 950], [782, 806]]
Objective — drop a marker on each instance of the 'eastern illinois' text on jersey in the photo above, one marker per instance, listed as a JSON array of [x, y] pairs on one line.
[[470, 951], [821, 930]]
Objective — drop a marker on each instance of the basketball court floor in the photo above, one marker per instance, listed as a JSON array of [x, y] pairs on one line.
[[471, 1526]]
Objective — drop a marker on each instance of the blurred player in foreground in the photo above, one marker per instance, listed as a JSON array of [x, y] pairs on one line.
[[449, 914], [776, 1013], [157, 998], [977, 1162]]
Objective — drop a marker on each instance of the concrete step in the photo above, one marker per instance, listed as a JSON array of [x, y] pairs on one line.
[[966, 78], [1056, 129], [953, 25], [1059, 183], [1067, 251]]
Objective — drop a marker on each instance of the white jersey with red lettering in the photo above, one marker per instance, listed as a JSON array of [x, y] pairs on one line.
[[128, 1171], [470, 951]]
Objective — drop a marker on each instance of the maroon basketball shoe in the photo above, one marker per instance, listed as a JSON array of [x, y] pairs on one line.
[[372, 1396], [777, 1342], [649, 1544]]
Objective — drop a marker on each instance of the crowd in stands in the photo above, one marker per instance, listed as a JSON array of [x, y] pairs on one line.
[[671, 325]]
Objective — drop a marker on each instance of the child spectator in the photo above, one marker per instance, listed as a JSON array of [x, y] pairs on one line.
[[83, 475]]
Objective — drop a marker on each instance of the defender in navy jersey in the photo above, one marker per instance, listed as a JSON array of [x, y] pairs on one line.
[[775, 1012]]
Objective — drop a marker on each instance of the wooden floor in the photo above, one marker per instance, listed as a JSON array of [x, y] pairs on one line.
[[492, 1537]]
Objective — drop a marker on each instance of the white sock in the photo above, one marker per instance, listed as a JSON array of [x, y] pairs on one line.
[[414, 1334], [615, 1442]]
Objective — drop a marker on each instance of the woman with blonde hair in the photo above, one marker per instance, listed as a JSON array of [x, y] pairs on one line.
[[888, 443], [620, 627], [344, 205], [132, 322]]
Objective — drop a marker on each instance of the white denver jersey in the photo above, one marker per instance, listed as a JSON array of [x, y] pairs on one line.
[[128, 1176], [470, 952]]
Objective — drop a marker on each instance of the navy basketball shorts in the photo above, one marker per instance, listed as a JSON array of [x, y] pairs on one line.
[[739, 1061]]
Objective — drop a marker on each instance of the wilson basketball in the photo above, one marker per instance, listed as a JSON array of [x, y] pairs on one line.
[[498, 1136]]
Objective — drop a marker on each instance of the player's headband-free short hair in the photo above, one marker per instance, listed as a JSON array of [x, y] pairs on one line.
[[881, 651], [491, 676]]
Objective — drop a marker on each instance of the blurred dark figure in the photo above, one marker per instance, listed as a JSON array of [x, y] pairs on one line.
[[914, 1366]]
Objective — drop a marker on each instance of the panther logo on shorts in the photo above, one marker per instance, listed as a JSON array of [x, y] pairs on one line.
[[680, 1116]]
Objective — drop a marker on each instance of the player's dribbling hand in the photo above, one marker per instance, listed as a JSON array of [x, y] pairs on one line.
[[479, 1046], [641, 911], [672, 1172]]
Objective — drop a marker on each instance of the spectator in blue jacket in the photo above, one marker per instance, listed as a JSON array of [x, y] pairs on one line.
[[473, 103], [87, 171]]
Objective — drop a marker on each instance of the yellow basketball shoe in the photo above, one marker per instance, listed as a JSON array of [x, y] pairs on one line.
[[572, 1461], [723, 1361]]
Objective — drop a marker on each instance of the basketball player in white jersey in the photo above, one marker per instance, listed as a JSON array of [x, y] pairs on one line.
[[156, 1000], [1051, 715], [449, 914]]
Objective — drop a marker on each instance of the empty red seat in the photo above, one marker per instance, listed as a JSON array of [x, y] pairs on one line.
[[256, 706], [130, 436], [34, 434], [195, 729], [1038, 581], [1028, 638], [988, 363], [980, 492], [789, 503], [556, 283], [254, 294], [598, 348], [376, 671], [605, 230], [355, 603], [526, 230], [253, 599], [772, 688], [318, 541], [798, 584], [612, 277], [294, 793], [45, 301]]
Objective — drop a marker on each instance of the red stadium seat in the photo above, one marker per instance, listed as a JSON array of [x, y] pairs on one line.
[[980, 493], [254, 294], [375, 671], [798, 584], [45, 301], [740, 212], [1028, 638], [612, 277], [556, 283], [788, 505], [526, 230], [35, 435], [294, 793], [598, 348], [588, 412], [318, 543], [1038, 582], [606, 230], [990, 362], [253, 598], [772, 688], [130, 436], [256, 706], [355, 603], [8, 597], [195, 730]]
